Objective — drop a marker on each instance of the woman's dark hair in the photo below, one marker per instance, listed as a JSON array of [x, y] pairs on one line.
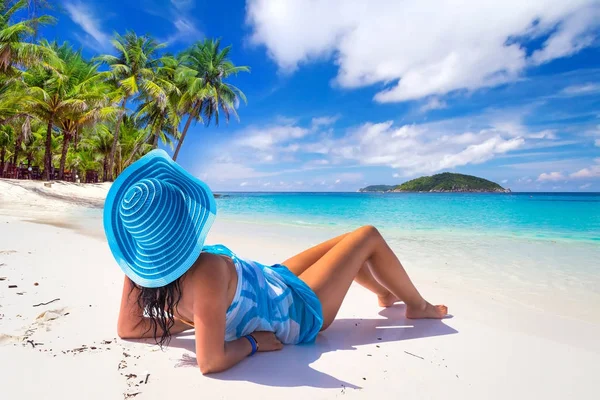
[[159, 305]]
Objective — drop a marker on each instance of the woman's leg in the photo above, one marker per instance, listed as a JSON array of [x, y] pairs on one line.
[[301, 262], [331, 275]]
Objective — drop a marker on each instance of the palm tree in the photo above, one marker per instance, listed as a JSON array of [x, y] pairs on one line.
[[15, 51], [205, 69], [132, 68], [133, 144], [22, 132], [88, 93], [13, 96], [6, 139], [162, 117], [52, 93], [99, 142]]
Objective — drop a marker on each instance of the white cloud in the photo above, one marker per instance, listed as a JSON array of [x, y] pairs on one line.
[[224, 171], [408, 149], [422, 148], [266, 139], [504, 180], [433, 104], [243, 184], [581, 90], [313, 164], [415, 51], [396, 176], [183, 5], [573, 33], [84, 17], [324, 121], [590, 172], [551, 177], [587, 185], [349, 177], [185, 31], [597, 142], [545, 134]]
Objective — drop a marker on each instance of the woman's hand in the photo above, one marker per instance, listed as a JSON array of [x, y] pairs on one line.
[[267, 341]]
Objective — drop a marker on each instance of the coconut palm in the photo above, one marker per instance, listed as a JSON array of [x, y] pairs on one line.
[[15, 51], [90, 101], [7, 134], [133, 144], [13, 96], [162, 117], [133, 69], [65, 97], [206, 93]]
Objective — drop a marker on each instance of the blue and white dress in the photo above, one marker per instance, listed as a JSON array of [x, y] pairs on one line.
[[270, 299]]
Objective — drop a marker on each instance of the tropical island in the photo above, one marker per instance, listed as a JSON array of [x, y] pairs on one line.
[[442, 183]]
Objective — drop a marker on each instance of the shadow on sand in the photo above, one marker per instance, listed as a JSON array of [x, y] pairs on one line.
[[290, 367]]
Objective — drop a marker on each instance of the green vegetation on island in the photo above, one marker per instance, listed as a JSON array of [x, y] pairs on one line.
[[445, 182], [63, 115], [378, 188]]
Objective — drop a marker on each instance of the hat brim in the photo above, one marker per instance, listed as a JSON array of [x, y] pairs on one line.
[[201, 215]]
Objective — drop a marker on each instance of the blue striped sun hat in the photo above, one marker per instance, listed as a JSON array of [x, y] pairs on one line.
[[156, 218]]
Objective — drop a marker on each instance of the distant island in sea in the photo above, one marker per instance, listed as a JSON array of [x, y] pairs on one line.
[[443, 183]]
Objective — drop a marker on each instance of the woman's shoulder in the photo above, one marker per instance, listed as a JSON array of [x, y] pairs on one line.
[[209, 270], [218, 249]]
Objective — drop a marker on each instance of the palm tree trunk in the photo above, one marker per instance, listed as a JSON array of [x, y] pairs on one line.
[[5, 169], [18, 143], [155, 140], [76, 139], [48, 153], [111, 157], [105, 169], [133, 153], [185, 129], [63, 156], [2, 155]]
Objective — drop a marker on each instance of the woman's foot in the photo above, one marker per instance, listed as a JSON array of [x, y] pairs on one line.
[[426, 310], [387, 301]]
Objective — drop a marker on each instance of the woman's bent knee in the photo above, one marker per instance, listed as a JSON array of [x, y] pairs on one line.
[[368, 230]]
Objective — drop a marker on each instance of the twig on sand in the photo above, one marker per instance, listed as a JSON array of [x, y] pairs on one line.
[[44, 304], [414, 355]]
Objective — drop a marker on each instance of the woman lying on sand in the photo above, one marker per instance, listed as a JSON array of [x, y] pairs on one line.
[[156, 219]]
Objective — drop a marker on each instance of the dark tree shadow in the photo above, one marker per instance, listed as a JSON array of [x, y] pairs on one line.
[[290, 367]]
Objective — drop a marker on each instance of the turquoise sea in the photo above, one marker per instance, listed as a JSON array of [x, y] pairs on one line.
[[543, 216]]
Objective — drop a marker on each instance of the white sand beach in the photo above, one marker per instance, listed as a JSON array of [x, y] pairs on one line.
[[52, 251]]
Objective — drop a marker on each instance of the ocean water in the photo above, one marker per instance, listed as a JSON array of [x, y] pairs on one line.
[[540, 250], [542, 216]]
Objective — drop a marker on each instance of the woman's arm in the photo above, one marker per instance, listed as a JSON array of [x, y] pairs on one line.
[[131, 323], [210, 283]]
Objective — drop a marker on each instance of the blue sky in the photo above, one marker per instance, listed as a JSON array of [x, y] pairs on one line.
[[347, 93]]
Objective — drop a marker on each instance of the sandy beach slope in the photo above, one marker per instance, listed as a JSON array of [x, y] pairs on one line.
[[52, 251]]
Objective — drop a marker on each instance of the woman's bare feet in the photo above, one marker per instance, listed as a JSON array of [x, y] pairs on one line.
[[387, 301], [426, 310]]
